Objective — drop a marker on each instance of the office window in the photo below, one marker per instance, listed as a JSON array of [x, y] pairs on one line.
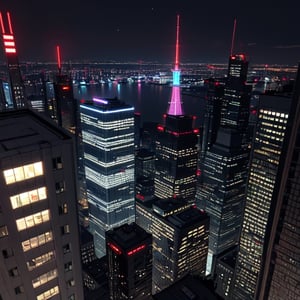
[[40, 260], [44, 278], [23, 172], [66, 248], [63, 209], [7, 252], [65, 229], [26, 198], [37, 241], [48, 294], [19, 289], [3, 231], [68, 266], [13, 272], [59, 187], [57, 163], [33, 220]]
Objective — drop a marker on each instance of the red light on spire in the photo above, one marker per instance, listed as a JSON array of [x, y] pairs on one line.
[[9, 23], [2, 25], [137, 249], [177, 45], [58, 58]]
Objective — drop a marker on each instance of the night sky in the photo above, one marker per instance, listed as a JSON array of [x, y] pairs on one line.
[[267, 31]]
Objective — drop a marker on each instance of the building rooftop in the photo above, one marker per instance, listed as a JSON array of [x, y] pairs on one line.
[[187, 288], [27, 130], [128, 235], [106, 104]]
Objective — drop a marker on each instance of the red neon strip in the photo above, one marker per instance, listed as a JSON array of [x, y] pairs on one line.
[[114, 248], [133, 251], [58, 57], [8, 37], [2, 25], [10, 50], [160, 128], [66, 88], [9, 44], [9, 23]]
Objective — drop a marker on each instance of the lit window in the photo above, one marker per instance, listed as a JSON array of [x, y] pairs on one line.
[[40, 260], [48, 294], [3, 231], [65, 229], [23, 172], [37, 241], [44, 278], [59, 187], [33, 220], [28, 197]]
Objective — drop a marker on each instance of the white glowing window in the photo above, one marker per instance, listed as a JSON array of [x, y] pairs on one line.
[[33, 220], [23, 172], [44, 278], [28, 197], [37, 241], [48, 294]]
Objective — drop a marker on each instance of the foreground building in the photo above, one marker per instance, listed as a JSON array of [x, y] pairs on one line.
[[260, 194], [108, 140], [129, 253], [39, 234]]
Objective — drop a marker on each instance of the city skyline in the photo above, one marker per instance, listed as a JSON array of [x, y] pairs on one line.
[[139, 31]]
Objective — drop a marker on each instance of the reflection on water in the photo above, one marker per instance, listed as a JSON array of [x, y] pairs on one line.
[[151, 101]]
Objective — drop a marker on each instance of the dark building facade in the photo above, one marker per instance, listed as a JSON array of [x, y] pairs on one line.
[[129, 254], [266, 151], [222, 183]]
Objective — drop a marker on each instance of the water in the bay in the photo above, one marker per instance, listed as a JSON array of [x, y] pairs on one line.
[[151, 101]]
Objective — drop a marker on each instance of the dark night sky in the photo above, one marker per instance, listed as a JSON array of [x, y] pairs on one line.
[[267, 31]]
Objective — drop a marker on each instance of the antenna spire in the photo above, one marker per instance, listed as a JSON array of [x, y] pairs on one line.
[[175, 108], [58, 59], [233, 37]]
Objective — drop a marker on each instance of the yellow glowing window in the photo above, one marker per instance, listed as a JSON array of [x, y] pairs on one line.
[[48, 294], [44, 278], [28, 197], [37, 241], [33, 220], [23, 172]]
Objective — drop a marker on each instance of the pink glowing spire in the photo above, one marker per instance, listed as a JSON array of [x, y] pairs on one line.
[[58, 59], [233, 37], [175, 108]]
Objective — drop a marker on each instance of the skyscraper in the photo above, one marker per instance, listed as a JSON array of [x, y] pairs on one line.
[[39, 233], [221, 191], [261, 188], [14, 72], [176, 146], [280, 264], [129, 253], [108, 139], [180, 243]]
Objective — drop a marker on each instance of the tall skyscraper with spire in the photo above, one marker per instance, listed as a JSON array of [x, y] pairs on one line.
[[221, 191], [176, 146], [14, 72]]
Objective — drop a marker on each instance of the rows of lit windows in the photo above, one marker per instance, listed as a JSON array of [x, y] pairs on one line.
[[28, 197], [48, 294], [37, 241], [40, 260], [44, 278], [23, 172], [109, 181], [120, 160], [33, 220]]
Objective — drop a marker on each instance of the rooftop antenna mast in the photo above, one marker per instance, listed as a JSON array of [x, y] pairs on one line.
[[175, 108], [233, 37], [58, 59]]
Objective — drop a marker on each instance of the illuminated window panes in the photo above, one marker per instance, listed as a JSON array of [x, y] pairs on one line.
[[37, 241], [23, 172], [28, 197], [44, 278], [48, 294], [33, 220], [40, 260]]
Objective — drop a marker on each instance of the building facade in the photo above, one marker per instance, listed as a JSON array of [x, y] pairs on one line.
[[108, 140], [39, 233], [265, 156], [129, 253]]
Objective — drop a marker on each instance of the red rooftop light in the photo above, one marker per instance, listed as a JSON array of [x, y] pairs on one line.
[[114, 248], [135, 250]]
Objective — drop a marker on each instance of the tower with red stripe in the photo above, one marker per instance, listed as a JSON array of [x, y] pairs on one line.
[[14, 72]]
